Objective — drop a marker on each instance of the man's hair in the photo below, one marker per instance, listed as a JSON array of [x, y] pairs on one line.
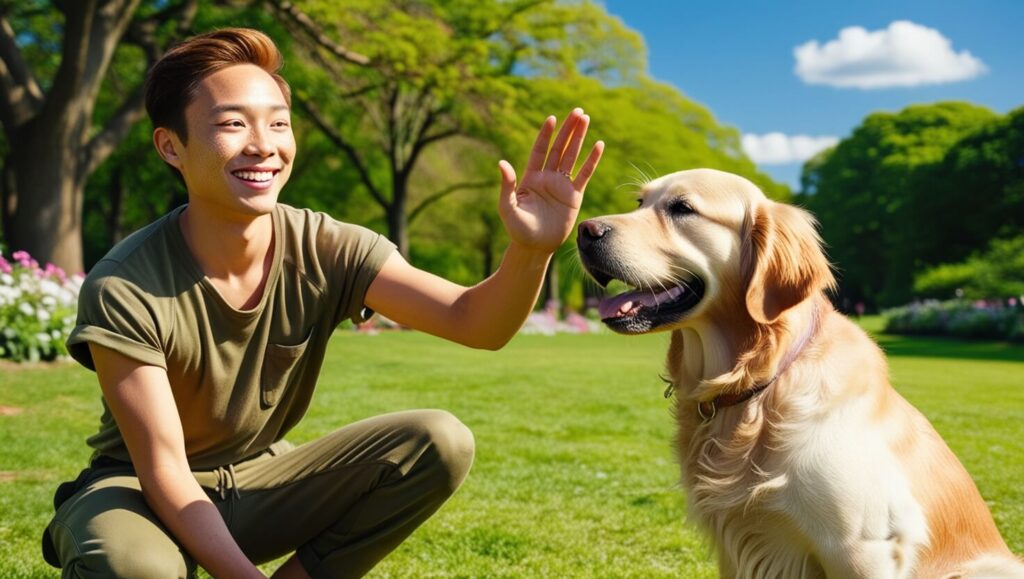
[[173, 81]]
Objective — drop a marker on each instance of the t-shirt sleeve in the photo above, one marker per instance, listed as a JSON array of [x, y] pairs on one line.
[[118, 315], [351, 257]]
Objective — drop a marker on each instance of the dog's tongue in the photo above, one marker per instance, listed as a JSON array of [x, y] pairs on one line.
[[622, 304]]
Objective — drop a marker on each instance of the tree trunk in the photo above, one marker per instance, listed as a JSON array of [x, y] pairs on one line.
[[48, 194], [549, 292], [53, 150], [398, 223]]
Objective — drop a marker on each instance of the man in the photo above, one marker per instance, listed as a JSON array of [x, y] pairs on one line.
[[208, 327]]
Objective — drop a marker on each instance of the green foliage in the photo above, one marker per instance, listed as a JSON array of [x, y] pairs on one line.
[[484, 74], [927, 185], [998, 272]]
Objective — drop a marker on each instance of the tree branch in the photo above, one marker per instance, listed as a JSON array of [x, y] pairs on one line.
[[435, 197], [143, 34], [21, 97], [335, 137], [106, 141], [313, 31]]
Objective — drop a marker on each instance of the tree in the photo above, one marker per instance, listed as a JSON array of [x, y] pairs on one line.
[[868, 193], [53, 142], [433, 71]]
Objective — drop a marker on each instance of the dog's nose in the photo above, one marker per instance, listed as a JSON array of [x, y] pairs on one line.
[[590, 231]]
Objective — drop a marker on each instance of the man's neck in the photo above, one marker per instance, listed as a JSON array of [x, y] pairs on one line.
[[226, 247], [234, 253]]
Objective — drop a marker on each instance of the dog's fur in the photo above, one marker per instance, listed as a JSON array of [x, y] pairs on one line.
[[828, 472]]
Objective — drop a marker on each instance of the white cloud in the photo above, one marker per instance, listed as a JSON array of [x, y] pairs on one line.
[[905, 54], [780, 149]]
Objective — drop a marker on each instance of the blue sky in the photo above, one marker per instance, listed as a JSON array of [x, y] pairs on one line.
[[737, 58]]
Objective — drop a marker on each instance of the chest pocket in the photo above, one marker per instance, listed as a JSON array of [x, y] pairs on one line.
[[279, 365]]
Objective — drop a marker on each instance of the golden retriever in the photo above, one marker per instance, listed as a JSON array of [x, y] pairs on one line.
[[799, 459]]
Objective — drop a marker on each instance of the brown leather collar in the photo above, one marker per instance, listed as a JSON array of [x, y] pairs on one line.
[[706, 409]]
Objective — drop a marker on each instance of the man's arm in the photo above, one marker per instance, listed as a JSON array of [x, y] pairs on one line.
[[538, 214], [486, 315], [140, 398]]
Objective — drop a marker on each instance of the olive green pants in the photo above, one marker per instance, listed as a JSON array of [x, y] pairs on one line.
[[342, 502]]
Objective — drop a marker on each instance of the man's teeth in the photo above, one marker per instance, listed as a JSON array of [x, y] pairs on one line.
[[254, 176]]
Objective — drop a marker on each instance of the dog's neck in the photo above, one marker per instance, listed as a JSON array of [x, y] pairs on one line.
[[706, 360]]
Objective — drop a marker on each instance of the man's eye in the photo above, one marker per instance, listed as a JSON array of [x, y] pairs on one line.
[[233, 124], [281, 124], [679, 208]]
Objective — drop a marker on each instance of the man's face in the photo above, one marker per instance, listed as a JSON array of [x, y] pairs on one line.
[[240, 142]]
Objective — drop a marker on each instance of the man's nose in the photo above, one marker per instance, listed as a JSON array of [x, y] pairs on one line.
[[591, 231], [259, 144]]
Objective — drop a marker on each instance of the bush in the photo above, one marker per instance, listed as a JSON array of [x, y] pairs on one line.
[[998, 271], [962, 318], [37, 309]]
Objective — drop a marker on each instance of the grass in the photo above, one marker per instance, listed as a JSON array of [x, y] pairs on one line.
[[574, 475]]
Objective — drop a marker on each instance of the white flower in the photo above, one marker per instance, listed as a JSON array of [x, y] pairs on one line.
[[6, 279], [49, 288], [43, 337], [26, 308], [49, 301], [43, 315]]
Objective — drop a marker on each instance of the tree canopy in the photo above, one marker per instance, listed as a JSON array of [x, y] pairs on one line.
[[927, 185]]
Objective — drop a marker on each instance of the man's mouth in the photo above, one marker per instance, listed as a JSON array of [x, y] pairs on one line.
[[255, 176], [643, 310]]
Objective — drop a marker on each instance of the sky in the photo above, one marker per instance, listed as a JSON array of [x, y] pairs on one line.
[[796, 76]]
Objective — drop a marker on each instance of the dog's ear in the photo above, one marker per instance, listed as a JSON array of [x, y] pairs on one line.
[[784, 261]]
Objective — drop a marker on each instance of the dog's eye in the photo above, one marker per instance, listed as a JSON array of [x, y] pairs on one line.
[[640, 202], [679, 208]]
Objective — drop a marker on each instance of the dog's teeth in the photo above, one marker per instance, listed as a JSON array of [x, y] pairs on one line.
[[624, 308]]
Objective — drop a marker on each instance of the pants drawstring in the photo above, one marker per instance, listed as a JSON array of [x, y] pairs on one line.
[[226, 481]]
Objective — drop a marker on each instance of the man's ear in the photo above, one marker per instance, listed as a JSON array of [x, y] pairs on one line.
[[784, 259], [167, 146]]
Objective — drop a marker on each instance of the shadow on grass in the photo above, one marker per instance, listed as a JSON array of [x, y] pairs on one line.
[[940, 347]]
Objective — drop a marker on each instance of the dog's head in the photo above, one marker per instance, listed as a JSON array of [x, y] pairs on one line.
[[703, 245]]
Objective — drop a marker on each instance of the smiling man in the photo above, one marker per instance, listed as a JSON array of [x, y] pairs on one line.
[[207, 330]]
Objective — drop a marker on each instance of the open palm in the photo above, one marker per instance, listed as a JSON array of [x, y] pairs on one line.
[[540, 211]]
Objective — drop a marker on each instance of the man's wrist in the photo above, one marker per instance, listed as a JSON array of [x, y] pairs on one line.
[[527, 257]]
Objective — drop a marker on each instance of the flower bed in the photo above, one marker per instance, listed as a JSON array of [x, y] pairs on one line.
[[37, 309], [967, 319]]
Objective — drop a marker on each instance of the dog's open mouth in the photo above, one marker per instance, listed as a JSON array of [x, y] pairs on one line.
[[641, 311]]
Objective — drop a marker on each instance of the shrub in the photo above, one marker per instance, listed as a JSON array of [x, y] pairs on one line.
[[37, 309], [998, 271], [962, 318]]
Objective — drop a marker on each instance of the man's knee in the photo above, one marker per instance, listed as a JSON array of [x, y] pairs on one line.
[[113, 534], [453, 445]]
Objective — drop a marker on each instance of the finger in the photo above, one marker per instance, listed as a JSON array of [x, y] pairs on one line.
[[589, 166], [508, 183], [540, 146], [572, 150], [558, 147]]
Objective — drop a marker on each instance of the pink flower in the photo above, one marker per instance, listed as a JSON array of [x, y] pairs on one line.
[[54, 271]]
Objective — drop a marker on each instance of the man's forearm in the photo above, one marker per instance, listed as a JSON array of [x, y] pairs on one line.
[[182, 505], [494, 310]]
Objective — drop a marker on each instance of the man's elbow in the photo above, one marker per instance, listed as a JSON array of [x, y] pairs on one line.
[[490, 343]]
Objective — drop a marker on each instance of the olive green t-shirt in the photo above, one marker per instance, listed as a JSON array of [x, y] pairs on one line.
[[240, 378]]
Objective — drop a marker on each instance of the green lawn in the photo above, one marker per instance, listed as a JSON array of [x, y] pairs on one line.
[[574, 475]]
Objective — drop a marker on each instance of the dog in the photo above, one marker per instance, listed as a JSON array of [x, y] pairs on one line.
[[799, 459]]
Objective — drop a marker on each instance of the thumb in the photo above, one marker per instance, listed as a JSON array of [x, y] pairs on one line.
[[508, 183]]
